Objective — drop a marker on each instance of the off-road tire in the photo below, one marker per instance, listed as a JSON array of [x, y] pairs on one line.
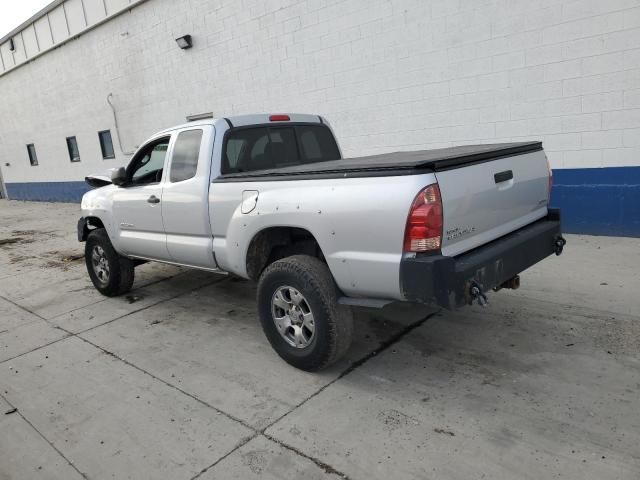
[[121, 269], [333, 322]]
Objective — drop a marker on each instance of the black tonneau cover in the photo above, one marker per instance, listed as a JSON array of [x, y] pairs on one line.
[[400, 162]]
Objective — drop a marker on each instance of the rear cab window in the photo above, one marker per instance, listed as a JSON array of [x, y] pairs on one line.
[[263, 147]]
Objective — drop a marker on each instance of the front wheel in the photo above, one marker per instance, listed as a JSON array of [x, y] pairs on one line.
[[300, 314], [111, 273]]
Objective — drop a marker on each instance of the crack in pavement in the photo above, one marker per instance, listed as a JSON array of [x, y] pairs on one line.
[[69, 333], [241, 444], [327, 468], [77, 335], [257, 432], [175, 387], [71, 464], [35, 349], [319, 463], [173, 297], [357, 363], [324, 466], [145, 285]]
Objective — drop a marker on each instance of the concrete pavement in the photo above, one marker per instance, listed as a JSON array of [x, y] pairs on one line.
[[176, 379]]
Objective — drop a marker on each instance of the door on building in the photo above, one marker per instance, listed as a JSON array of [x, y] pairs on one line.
[[137, 206], [185, 205]]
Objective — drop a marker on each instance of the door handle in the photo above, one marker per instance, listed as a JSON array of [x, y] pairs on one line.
[[153, 199], [503, 176]]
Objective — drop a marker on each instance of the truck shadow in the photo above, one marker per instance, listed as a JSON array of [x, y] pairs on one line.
[[374, 329]]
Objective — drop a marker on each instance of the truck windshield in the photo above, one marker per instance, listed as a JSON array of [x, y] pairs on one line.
[[268, 147]]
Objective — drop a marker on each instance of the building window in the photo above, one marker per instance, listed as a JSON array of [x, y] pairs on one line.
[[33, 158], [72, 146], [106, 145]]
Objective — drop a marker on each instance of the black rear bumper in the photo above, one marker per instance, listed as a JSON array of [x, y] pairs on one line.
[[446, 281]]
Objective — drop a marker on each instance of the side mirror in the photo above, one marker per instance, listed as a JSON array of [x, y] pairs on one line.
[[119, 176]]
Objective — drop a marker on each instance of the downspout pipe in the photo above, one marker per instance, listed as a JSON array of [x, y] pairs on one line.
[[3, 189], [115, 121]]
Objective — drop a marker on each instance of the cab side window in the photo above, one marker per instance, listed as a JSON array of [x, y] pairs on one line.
[[147, 166], [232, 152], [184, 161]]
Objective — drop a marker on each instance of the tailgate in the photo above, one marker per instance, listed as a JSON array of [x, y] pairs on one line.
[[484, 201]]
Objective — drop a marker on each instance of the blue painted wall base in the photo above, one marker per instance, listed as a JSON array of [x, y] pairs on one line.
[[47, 191], [595, 201], [598, 201]]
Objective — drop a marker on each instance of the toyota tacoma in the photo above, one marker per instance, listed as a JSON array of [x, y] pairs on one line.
[[270, 198]]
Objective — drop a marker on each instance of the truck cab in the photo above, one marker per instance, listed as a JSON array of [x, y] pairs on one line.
[[158, 206]]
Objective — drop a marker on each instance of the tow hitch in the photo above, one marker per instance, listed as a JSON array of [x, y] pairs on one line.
[[513, 284], [559, 244], [477, 294]]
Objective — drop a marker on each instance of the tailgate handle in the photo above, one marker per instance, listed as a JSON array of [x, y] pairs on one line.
[[503, 176]]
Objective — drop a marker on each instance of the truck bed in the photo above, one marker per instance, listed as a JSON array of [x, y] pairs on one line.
[[400, 163]]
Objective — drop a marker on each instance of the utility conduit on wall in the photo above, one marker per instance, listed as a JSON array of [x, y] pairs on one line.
[[115, 122]]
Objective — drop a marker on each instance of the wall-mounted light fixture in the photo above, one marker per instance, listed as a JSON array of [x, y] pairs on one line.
[[184, 42], [12, 45]]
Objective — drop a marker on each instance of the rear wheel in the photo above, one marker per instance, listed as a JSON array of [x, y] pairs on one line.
[[300, 314], [111, 273]]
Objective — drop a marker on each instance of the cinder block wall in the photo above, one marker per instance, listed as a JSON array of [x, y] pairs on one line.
[[390, 75]]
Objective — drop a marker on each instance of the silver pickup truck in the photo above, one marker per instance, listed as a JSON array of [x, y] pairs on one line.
[[270, 198]]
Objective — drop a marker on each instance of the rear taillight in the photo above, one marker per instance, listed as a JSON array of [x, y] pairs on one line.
[[423, 232]]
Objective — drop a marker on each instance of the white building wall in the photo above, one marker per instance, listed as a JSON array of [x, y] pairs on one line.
[[388, 74], [54, 25]]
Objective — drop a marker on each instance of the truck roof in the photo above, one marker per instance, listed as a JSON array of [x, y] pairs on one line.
[[252, 119]]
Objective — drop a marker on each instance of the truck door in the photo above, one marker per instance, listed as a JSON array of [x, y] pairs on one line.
[[185, 205], [137, 207]]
